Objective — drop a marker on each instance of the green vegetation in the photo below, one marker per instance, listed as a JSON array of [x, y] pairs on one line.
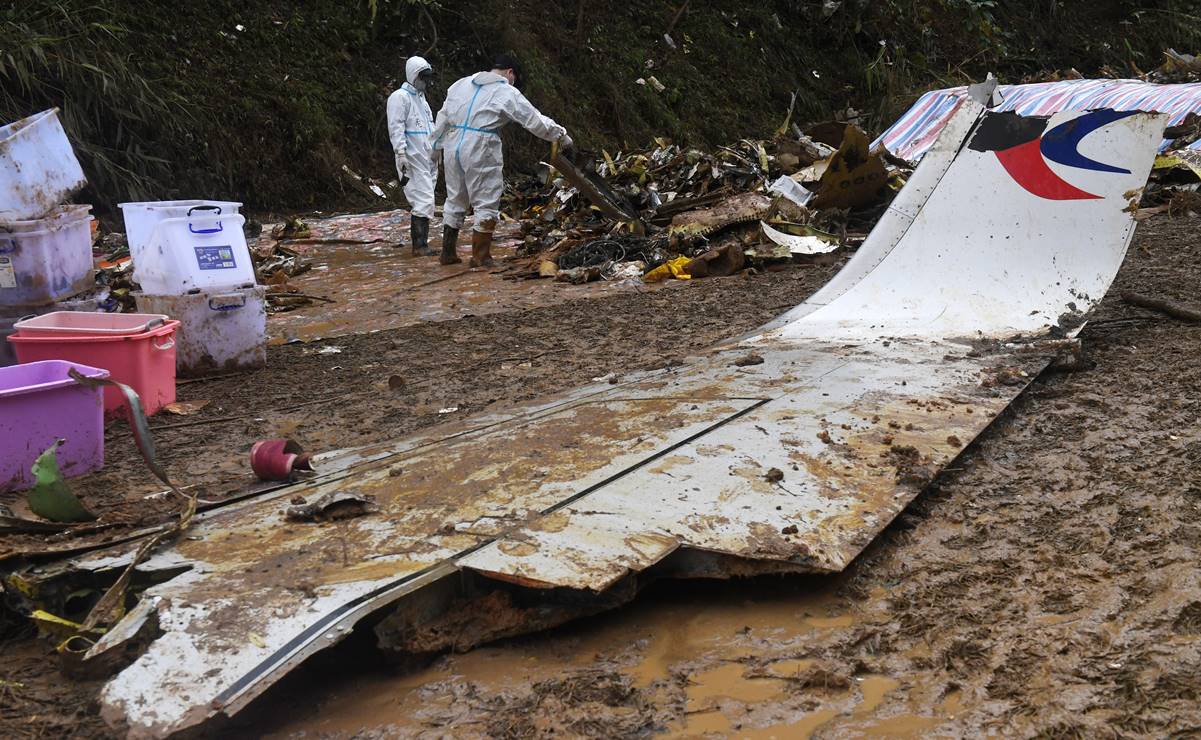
[[267, 102]]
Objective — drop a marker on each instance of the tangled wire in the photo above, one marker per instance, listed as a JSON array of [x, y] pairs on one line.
[[599, 252]]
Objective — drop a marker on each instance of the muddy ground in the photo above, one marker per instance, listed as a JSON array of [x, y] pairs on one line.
[[1045, 585]]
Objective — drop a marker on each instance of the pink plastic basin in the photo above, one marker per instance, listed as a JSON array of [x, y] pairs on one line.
[[143, 361], [40, 403], [58, 323]]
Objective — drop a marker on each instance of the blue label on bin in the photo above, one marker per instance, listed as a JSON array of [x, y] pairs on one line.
[[215, 258]]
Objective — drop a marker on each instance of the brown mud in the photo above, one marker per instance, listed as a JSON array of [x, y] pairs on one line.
[[375, 284], [1046, 584]]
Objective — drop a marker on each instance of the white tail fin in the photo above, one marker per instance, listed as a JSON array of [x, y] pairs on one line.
[[1008, 223]]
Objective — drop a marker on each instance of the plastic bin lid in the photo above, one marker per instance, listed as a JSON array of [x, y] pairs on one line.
[[57, 216], [44, 375], [81, 322], [171, 204]]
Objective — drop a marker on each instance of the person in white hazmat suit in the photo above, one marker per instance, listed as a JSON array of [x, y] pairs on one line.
[[467, 131], [410, 127]]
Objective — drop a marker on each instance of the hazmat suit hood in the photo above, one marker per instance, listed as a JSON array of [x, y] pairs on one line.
[[487, 78], [413, 69]]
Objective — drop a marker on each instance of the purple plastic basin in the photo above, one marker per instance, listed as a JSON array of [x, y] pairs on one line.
[[40, 403]]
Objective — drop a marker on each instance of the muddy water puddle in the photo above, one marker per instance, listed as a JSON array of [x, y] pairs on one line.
[[729, 661], [363, 264]]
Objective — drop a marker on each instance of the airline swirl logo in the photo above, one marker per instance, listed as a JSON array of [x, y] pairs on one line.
[[1024, 145]]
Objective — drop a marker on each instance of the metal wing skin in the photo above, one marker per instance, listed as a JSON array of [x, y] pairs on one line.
[[786, 450]]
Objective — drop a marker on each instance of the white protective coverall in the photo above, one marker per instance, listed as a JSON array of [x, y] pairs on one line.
[[468, 132], [410, 123]]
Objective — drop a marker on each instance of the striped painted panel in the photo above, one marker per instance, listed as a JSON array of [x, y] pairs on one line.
[[914, 132]]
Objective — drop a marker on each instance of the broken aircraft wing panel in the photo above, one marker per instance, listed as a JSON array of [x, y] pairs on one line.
[[790, 460], [849, 447], [576, 497]]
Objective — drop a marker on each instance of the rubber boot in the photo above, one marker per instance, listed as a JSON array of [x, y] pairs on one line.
[[481, 249], [419, 230], [450, 244]]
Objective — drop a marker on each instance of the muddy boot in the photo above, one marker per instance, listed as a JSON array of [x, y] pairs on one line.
[[450, 243], [419, 230], [481, 249]]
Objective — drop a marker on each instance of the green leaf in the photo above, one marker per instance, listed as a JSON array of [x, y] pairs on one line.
[[50, 498]]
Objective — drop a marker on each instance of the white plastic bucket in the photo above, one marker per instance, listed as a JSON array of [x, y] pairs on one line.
[[141, 218], [38, 168], [218, 332], [40, 266], [193, 253]]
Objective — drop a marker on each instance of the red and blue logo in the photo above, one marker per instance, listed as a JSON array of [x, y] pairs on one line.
[[1023, 145]]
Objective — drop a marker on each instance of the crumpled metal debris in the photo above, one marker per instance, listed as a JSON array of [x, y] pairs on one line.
[[810, 241], [702, 223], [1177, 67], [331, 507], [580, 275], [691, 201], [717, 262], [274, 259], [1174, 186], [292, 228]]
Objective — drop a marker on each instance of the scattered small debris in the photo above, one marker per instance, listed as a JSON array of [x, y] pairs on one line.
[[1004, 375], [748, 360], [912, 467], [185, 408], [293, 228]]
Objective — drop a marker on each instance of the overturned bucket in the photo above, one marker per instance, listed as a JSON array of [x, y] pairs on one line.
[[278, 459]]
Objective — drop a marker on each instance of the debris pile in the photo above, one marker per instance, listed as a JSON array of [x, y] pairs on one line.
[[114, 286], [1174, 186], [753, 203], [275, 263], [1176, 67]]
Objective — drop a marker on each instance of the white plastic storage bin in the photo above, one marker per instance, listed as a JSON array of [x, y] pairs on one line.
[[46, 261], [222, 331], [197, 252], [57, 216], [141, 218], [38, 168]]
